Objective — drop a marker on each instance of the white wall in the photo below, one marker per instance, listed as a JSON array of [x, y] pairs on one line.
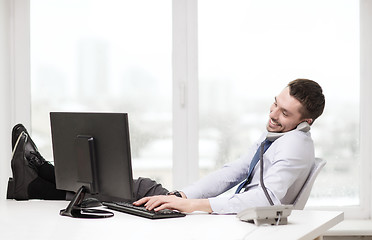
[[5, 103], [14, 74]]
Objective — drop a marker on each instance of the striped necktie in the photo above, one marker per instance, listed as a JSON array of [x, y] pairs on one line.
[[265, 144]]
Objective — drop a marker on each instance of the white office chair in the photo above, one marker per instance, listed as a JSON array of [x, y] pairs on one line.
[[304, 193]]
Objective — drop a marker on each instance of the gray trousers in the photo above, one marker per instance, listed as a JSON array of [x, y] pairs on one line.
[[145, 187]]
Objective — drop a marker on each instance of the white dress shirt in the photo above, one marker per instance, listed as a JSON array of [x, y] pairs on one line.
[[287, 163]]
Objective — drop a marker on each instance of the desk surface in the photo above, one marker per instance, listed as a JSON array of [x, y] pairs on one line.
[[41, 220]]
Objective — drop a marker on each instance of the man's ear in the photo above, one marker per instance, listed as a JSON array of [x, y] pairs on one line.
[[309, 121]]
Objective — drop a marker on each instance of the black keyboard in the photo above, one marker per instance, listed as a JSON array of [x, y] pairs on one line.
[[141, 211]]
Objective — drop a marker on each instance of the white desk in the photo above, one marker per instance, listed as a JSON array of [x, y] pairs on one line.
[[41, 220]]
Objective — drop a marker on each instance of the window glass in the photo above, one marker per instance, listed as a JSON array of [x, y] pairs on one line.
[[250, 50], [106, 56]]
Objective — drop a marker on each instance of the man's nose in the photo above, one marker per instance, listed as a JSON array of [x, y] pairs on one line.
[[274, 114]]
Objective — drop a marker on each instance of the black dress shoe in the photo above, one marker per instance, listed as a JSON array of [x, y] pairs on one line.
[[17, 130], [35, 159], [31, 152], [23, 172]]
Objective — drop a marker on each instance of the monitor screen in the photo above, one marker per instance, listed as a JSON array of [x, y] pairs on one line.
[[92, 150]]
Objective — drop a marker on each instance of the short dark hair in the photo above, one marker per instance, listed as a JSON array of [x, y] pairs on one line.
[[310, 95]]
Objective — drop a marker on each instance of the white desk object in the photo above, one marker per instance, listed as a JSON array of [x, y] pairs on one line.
[[38, 220]]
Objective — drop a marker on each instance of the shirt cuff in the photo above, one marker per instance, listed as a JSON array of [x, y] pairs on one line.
[[222, 205], [190, 193]]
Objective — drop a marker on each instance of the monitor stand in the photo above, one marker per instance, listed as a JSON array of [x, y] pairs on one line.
[[76, 211], [87, 175]]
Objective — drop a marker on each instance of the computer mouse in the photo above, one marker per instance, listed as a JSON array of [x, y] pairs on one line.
[[90, 203]]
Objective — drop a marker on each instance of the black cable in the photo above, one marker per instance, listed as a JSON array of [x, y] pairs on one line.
[[261, 175]]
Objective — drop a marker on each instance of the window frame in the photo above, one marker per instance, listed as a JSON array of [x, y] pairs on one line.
[[185, 92]]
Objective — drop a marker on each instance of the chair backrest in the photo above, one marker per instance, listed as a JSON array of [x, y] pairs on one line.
[[302, 197]]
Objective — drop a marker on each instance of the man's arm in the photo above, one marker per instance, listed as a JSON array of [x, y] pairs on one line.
[[196, 196], [220, 181], [174, 203]]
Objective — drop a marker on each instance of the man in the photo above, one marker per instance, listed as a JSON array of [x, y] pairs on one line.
[[287, 162]]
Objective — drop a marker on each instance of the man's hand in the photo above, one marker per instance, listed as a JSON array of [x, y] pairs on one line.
[[174, 203]]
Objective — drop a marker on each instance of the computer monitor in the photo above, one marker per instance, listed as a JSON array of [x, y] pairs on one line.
[[92, 155]]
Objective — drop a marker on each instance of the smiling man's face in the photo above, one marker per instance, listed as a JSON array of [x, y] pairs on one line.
[[285, 113]]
